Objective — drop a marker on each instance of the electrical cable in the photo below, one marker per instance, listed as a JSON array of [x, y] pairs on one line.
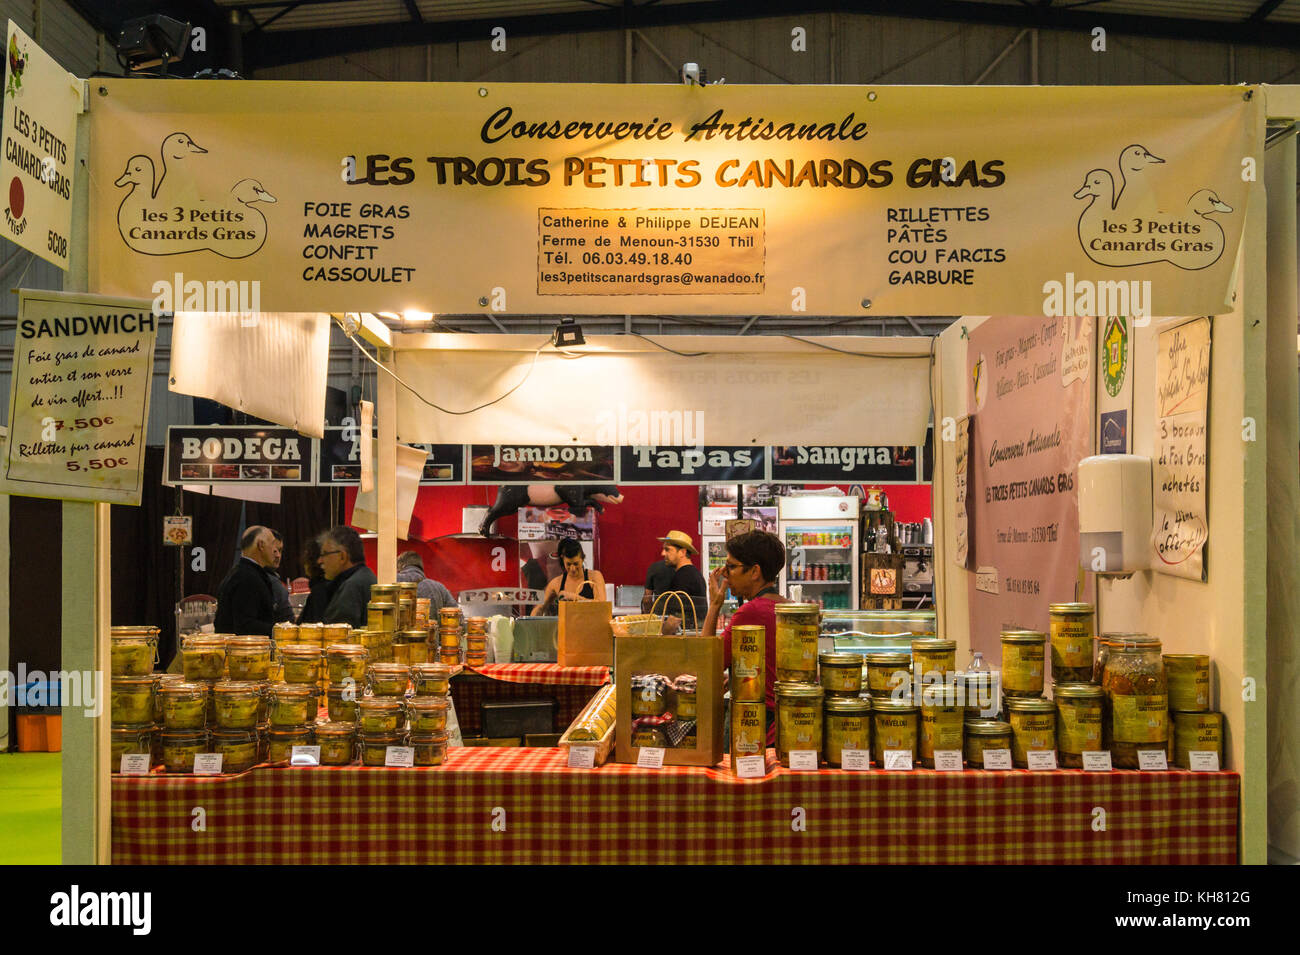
[[684, 354], [858, 354]]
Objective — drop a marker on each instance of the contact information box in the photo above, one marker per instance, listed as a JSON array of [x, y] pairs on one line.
[[650, 251]]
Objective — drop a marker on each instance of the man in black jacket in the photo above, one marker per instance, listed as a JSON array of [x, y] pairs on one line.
[[245, 602], [343, 559]]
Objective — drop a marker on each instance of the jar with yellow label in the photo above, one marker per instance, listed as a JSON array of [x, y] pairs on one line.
[[238, 749], [748, 663], [1196, 731], [431, 679], [1188, 676], [381, 615], [847, 725], [129, 739], [312, 634], [406, 605], [841, 673], [204, 657], [887, 670], [346, 661], [941, 727], [933, 659], [430, 748], [1033, 727], [380, 715], [649, 694], [302, 663], [341, 702], [686, 687], [428, 714], [982, 735], [748, 729], [337, 742], [388, 679], [336, 633], [179, 747], [798, 718], [291, 704], [1137, 699], [649, 736], [797, 628], [280, 741], [449, 638], [184, 705], [248, 658], [1079, 719], [133, 650], [415, 644], [1071, 630], [132, 700], [236, 704], [1022, 663], [895, 725], [286, 632]]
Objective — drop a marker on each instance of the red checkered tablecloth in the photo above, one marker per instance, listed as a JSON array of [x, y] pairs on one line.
[[512, 806], [570, 687]]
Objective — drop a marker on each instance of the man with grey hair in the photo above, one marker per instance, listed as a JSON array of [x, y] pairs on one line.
[[245, 600], [343, 561], [410, 569]]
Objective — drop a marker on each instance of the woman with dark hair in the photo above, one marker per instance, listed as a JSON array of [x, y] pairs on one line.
[[576, 583], [313, 611]]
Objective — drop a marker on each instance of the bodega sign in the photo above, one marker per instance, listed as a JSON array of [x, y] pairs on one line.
[[245, 455]]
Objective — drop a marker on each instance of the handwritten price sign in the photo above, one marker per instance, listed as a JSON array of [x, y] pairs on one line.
[[79, 398]]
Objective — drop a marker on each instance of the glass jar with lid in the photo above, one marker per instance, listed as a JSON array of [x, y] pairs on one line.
[[204, 656], [798, 626], [237, 704], [428, 714], [302, 663], [131, 700], [374, 747], [280, 741], [431, 679], [846, 725], [840, 673], [380, 714], [895, 725], [649, 694], [686, 686], [238, 749], [430, 748], [184, 705], [285, 632], [342, 703], [1071, 629], [887, 670], [1022, 663], [1033, 727], [133, 650], [129, 739], [933, 659], [388, 679], [337, 742], [179, 747], [983, 735], [798, 718], [291, 704], [941, 724], [381, 615], [1079, 720], [248, 658], [1137, 698], [346, 661]]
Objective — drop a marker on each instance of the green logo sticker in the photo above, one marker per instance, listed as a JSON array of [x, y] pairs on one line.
[[1114, 353]]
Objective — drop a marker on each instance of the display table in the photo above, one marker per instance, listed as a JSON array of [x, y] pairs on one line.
[[508, 806], [570, 687]]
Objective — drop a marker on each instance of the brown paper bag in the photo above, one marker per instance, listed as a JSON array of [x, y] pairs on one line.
[[672, 657], [586, 638]]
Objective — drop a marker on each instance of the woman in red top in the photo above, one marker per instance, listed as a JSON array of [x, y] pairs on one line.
[[754, 561]]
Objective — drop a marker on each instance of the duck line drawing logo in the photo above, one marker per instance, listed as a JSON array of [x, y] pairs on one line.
[[170, 208], [1130, 225]]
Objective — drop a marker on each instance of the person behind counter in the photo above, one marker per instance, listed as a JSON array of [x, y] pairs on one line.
[[686, 577], [753, 562], [343, 558], [576, 583], [245, 600], [313, 611], [410, 570]]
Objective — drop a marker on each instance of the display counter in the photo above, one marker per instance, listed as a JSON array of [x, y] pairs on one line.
[[518, 806], [570, 687]]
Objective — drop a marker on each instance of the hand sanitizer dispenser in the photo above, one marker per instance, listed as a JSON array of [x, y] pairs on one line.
[[1114, 513]]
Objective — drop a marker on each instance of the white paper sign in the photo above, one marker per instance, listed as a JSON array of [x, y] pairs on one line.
[[997, 759], [1097, 761], [207, 764], [1203, 761], [803, 759], [947, 760], [401, 756], [1152, 759], [986, 580], [898, 759], [751, 767], [582, 757], [650, 757], [134, 764], [304, 756], [1041, 758], [855, 760]]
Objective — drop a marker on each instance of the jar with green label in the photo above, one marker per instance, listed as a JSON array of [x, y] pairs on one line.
[[1071, 629], [179, 747], [1033, 727], [847, 725], [841, 673], [133, 650], [184, 705], [1137, 698], [238, 749], [983, 735], [1022, 662], [895, 725], [1079, 720], [237, 704], [131, 700], [798, 718], [337, 742], [249, 658], [291, 704], [204, 656], [797, 628]]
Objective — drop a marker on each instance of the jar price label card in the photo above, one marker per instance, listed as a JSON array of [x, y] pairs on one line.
[[305, 756], [898, 759], [134, 764], [947, 760], [582, 757], [207, 764], [997, 759], [803, 759], [1203, 761], [401, 756], [751, 767], [650, 757], [855, 760], [1152, 759], [1097, 761], [1041, 759]]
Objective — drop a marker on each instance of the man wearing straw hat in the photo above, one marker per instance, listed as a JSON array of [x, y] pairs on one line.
[[687, 579]]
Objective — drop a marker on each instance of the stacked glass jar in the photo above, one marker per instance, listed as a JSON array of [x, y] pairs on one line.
[[1193, 726], [450, 629], [382, 621], [476, 641], [132, 701]]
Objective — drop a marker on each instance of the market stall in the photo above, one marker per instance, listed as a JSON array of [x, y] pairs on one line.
[[778, 236]]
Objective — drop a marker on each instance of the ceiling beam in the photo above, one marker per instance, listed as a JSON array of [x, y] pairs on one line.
[[1263, 10]]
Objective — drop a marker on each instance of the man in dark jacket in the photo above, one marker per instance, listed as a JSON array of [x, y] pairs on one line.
[[245, 602], [283, 608], [343, 558]]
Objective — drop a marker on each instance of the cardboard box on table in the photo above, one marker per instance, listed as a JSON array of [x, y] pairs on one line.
[[672, 657], [586, 637]]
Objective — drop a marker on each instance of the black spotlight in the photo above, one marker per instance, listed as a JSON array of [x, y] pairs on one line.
[[154, 40], [567, 334]]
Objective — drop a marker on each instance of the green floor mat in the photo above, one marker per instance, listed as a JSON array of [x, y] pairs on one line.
[[30, 799]]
